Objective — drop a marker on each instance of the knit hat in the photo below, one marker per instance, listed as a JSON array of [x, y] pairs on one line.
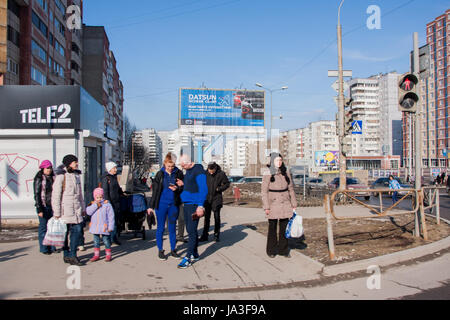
[[273, 156], [110, 165], [46, 164], [98, 192], [69, 159]]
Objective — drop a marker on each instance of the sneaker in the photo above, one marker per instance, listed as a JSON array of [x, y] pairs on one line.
[[161, 255], [175, 255], [185, 263], [271, 256], [74, 261], [287, 255], [81, 248], [195, 258], [203, 238]]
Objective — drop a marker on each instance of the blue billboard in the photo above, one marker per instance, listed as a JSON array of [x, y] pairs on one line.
[[221, 107]]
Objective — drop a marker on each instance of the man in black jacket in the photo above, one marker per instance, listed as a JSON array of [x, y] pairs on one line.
[[113, 191], [217, 182]]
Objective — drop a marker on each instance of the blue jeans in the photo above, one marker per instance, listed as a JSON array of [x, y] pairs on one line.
[[191, 227], [74, 235], [47, 214], [106, 240], [394, 197], [165, 211]]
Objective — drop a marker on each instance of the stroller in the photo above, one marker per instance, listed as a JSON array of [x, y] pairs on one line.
[[134, 212]]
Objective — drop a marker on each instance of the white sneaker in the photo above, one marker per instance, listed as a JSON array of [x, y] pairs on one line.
[[81, 248]]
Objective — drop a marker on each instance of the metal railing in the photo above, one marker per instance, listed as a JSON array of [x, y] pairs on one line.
[[417, 200]]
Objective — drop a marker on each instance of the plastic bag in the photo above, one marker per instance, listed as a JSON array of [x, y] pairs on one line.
[[56, 233], [294, 228]]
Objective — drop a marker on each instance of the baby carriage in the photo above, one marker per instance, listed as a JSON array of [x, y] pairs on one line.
[[134, 212]]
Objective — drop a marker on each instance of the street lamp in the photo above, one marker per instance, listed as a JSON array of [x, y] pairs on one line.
[[271, 104]]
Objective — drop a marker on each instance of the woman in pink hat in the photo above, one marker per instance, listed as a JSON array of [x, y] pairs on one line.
[[43, 182]]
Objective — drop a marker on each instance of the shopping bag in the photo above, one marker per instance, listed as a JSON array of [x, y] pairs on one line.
[[294, 228], [56, 233]]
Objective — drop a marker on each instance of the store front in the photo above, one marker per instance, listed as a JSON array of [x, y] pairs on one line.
[[46, 122]]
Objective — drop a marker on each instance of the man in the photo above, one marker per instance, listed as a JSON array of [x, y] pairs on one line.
[[113, 191], [68, 205], [217, 182], [193, 197]]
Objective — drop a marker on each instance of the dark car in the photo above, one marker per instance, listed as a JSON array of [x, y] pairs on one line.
[[383, 183], [234, 179], [352, 184]]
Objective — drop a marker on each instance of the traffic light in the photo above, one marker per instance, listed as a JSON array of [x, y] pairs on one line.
[[349, 117], [408, 97]]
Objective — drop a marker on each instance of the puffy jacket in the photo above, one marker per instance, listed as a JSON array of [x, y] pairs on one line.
[[112, 190], [157, 187], [217, 183], [37, 186], [68, 204], [102, 217]]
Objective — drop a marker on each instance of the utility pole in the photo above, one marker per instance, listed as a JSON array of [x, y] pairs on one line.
[[418, 127], [341, 112]]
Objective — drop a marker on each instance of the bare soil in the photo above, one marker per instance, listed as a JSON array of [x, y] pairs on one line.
[[360, 239]]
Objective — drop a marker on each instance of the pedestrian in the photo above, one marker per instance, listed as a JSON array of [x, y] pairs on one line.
[[166, 202], [68, 205], [394, 185], [438, 180], [442, 178], [102, 224], [279, 203], [112, 193], [217, 182], [193, 197], [43, 184]]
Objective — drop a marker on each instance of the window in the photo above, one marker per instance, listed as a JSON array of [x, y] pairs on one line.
[[38, 51], [59, 70], [13, 67], [43, 4], [59, 48], [38, 76], [13, 36], [38, 23], [51, 39], [14, 7], [60, 6], [59, 26]]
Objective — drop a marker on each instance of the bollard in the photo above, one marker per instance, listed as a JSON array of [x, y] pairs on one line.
[[329, 227], [422, 217], [416, 215], [381, 202], [438, 210]]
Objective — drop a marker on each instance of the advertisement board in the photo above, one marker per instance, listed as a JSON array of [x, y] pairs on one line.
[[221, 107], [327, 158]]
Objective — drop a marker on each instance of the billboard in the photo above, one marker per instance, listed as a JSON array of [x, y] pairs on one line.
[[327, 158], [221, 107]]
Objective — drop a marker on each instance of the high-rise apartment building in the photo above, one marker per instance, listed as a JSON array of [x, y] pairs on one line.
[[40, 49]]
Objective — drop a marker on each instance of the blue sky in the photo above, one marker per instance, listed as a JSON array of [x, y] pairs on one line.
[[161, 46]]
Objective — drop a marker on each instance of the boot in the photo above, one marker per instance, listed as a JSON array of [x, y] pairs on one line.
[[203, 238], [96, 256], [108, 255]]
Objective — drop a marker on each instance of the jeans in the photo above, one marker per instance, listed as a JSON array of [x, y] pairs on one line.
[[277, 244], [181, 224], [72, 241], [191, 227], [170, 212], [394, 197], [117, 222], [47, 214], [106, 240], [208, 210]]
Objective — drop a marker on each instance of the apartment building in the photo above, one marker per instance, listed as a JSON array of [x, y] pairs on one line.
[[40, 49]]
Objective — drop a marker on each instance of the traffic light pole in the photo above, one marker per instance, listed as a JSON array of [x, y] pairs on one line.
[[341, 112], [418, 134]]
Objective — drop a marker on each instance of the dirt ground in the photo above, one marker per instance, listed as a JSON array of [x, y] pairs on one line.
[[360, 239]]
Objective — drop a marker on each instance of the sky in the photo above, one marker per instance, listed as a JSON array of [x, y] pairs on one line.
[[161, 46]]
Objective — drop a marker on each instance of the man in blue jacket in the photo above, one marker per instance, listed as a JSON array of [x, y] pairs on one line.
[[193, 197]]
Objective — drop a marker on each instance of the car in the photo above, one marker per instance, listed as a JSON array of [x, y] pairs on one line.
[[352, 184], [316, 183], [383, 183], [298, 179], [250, 180], [234, 179]]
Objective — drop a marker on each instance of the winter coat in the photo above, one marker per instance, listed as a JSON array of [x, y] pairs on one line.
[[217, 183], [102, 217], [281, 203], [112, 190], [158, 185], [68, 204], [37, 185]]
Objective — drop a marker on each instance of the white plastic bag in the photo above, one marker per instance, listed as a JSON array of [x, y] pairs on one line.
[[56, 233], [294, 228]]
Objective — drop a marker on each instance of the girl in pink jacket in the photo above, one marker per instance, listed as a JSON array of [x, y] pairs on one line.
[[102, 224]]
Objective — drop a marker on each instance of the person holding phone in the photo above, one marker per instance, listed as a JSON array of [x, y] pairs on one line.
[[166, 201]]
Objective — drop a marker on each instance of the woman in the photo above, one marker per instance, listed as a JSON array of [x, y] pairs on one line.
[[279, 203], [43, 182], [166, 201]]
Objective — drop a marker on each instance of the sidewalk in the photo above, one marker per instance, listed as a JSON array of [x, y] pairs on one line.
[[239, 261]]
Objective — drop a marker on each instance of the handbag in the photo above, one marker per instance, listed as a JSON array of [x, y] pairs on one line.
[[294, 228], [56, 233]]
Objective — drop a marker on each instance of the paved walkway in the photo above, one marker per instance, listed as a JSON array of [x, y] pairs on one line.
[[237, 262]]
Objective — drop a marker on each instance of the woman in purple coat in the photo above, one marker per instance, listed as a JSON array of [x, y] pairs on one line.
[[102, 224]]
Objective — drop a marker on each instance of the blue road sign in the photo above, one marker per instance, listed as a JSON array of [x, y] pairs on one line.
[[357, 127]]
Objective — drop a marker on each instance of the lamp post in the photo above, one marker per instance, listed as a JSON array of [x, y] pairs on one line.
[[342, 158], [271, 105]]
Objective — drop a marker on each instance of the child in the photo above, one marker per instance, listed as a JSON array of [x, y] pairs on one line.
[[102, 223]]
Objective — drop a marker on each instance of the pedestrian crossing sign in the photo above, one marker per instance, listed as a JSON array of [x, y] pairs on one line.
[[357, 127]]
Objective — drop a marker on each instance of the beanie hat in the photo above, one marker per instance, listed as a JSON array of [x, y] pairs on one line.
[[69, 159], [98, 192], [46, 164], [110, 165]]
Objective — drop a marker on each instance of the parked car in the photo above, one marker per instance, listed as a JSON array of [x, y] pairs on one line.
[[316, 183], [352, 184], [250, 180], [383, 183], [298, 179], [234, 179]]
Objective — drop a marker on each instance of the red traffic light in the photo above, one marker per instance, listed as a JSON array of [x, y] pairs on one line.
[[408, 82]]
